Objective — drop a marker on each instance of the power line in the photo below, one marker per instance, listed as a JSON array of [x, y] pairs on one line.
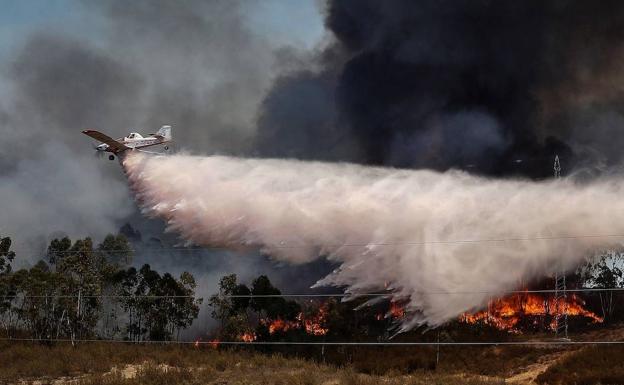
[[614, 289], [328, 295]]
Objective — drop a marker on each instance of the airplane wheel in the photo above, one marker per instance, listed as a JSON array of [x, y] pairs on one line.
[[111, 157]]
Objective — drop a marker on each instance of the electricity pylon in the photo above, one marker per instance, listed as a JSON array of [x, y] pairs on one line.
[[561, 303]]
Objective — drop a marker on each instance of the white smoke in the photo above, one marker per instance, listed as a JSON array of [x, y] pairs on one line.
[[445, 242]]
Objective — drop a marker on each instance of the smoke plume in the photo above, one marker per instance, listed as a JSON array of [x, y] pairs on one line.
[[475, 85], [133, 66], [446, 241]]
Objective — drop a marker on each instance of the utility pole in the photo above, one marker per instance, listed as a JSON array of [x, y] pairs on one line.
[[438, 351], [561, 304]]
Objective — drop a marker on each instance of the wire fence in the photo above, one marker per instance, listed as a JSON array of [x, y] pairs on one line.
[[328, 343]]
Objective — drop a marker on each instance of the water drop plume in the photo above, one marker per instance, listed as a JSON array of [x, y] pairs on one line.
[[443, 242]]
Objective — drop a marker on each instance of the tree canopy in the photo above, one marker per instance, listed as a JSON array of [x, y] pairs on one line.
[[81, 290]]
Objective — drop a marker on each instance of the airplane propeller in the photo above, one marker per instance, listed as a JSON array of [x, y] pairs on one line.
[[98, 154]]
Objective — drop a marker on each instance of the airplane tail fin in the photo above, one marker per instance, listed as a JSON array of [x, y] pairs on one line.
[[165, 132]]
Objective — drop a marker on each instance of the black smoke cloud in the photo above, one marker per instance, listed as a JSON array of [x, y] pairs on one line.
[[496, 87]]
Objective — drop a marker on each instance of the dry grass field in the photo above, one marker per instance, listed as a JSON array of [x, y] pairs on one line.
[[91, 364], [127, 364]]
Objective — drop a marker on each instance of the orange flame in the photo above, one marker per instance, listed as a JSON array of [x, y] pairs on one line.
[[313, 324], [396, 310], [248, 337], [280, 325], [213, 343], [505, 313]]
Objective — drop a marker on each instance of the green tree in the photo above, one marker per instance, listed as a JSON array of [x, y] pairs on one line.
[[187, 305], [231, 312], [131, 294], [6, 255], [158, 306], [221, 303], [268, 304], [605, 272], [75, 295], [7, 287], [64, 299], [39, 308], [57, 249], [116, 249]]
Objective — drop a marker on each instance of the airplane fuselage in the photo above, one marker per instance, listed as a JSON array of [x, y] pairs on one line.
[[132, 141]]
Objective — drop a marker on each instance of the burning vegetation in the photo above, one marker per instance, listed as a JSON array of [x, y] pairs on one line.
[[529, 310], [396, 310], [248, 337], [313, 324], [260, 313]]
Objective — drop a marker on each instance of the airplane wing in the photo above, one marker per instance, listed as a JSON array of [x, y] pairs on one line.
[[112, 143]]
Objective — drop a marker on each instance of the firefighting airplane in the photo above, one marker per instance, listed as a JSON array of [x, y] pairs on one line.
[[133, 141]]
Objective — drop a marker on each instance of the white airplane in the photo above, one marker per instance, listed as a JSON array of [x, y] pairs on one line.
[[134, 141]]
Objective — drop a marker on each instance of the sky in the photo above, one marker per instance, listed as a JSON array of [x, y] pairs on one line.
[[296, 23]]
